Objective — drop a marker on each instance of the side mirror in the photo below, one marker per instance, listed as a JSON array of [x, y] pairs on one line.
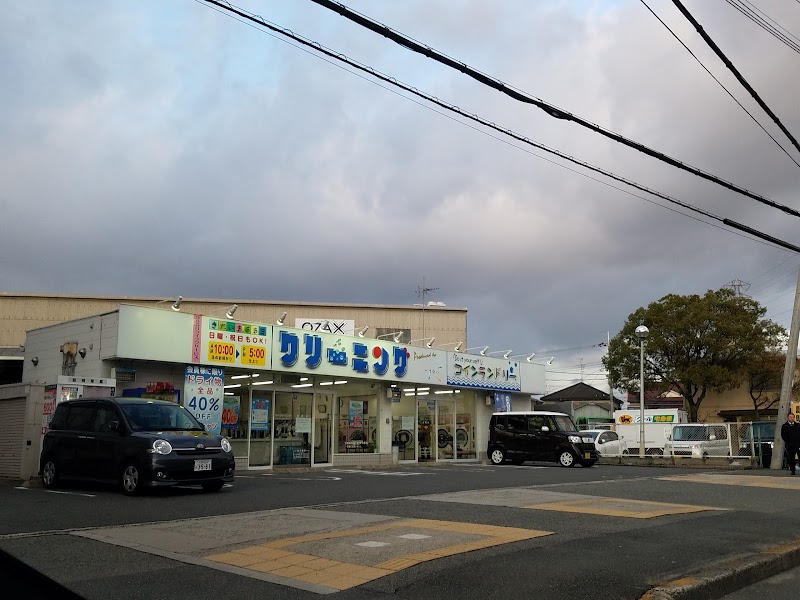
[[669, 436], [114, 426], [545, 429]]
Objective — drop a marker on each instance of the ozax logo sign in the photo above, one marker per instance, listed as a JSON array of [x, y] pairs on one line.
[[336, 326]]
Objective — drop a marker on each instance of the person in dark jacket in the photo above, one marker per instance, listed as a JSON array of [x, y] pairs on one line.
[[790, 434]]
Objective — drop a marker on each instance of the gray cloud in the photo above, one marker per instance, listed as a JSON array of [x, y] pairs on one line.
[[161, 151]]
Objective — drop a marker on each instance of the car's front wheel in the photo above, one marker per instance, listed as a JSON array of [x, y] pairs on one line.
[[497, 456], [50, 474], [566, 458], [212, 486], [131, 479]]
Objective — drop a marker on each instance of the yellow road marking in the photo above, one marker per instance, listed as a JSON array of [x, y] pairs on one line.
[[619, 507], [275, 559], [764, 481]]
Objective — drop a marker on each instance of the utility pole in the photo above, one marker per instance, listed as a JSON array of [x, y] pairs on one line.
[[608, 375], [422, 292], [788, 380]]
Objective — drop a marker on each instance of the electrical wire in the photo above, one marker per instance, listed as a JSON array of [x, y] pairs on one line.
[[758, 20], [761, 237], [733, 70], [757, 122], [520, 96]]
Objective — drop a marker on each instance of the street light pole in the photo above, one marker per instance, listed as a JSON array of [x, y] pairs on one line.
[[641, 332]]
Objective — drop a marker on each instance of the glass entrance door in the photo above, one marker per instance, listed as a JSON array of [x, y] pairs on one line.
[[446, 446], [292, 428], [323, 428]]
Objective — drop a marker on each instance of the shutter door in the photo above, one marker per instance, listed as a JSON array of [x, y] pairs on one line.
[[12, 417]]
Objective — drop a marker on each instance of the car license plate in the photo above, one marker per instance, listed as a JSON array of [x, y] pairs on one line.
[[587, 455], [202, 465]]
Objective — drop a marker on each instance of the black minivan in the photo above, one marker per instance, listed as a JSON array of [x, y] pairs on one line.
[[537, 435], [134, 443]]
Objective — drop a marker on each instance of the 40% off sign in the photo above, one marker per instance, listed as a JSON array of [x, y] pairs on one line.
[[208, 411]]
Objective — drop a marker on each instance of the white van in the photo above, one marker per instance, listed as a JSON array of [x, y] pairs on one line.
[[698, 440]]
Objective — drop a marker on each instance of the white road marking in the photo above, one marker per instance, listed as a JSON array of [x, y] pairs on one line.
[[70, 493], [372, 544], [414, 536], [387, 473]]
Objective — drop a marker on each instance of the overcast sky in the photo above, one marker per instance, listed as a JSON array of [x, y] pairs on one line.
[[163, 148]]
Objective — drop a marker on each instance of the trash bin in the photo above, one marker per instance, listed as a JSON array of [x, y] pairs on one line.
[[395, 452]]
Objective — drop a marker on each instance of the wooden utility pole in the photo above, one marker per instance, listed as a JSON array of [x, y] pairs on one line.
[[788, 380]]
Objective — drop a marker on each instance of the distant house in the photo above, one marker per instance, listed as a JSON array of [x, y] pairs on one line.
[[585, 404], [657, 399]]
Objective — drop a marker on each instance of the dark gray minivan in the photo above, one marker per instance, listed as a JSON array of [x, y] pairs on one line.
[[537, 435]]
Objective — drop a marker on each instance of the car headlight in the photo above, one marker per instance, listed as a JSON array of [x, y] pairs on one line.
[[226, 445], [575, 439], [162, 447]]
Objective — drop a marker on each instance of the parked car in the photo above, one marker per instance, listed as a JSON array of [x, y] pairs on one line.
[[134, 443], [607, 443], [698, 440], [763, 440], [537, 435]]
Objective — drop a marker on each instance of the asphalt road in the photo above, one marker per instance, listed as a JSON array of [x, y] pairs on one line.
[[606, 555]]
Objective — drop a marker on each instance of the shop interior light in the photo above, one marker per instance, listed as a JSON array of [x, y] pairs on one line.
[[340, 382], [425, 389], [231, 310], [232, 385], [443, 392], [423, 393], [242, 376], [302, 385], [229, 393], [362, 331], [304, 379], [326, 383], [261, 382]]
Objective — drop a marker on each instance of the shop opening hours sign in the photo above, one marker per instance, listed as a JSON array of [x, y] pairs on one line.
[[220, 341], [203, 395]]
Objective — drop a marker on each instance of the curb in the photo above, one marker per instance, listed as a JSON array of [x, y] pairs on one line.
[[729, 576]]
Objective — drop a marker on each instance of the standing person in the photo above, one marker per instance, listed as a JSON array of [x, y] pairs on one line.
[[790, 433]]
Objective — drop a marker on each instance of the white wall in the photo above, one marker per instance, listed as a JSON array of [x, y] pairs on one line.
[[91, 333]]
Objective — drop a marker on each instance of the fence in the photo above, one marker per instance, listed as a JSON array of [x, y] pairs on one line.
[[691, 440]]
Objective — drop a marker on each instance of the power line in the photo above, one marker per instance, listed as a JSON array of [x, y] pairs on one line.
[[757, 122], [342, 58], [732, 69], [520, 96], [758, 20]]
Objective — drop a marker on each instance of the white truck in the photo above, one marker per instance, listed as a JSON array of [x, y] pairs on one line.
[[657, 426]]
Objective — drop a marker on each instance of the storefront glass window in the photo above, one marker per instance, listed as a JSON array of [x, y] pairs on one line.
[[404, 413], [357, 423], [465, 426], [259, 415]]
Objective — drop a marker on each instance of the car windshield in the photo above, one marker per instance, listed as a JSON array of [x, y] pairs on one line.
[[158, 416], [591, 434], [564, 423], [685, 434]]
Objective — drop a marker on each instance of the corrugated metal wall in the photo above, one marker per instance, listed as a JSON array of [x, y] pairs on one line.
[[12, 416]]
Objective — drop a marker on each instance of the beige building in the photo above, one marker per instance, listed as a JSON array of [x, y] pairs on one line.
[[299, 383]]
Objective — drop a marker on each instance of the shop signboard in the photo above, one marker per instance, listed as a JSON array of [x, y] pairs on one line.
[[203, 394], [426, 365], [233, 343], [49, 408], [338, 356], [502, 402], [484, 372], [259, 414], [334, 326], [230, 412], [356, 414]]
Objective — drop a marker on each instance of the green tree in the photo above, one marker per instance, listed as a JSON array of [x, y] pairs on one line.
[[763, 375], [697, 344]]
